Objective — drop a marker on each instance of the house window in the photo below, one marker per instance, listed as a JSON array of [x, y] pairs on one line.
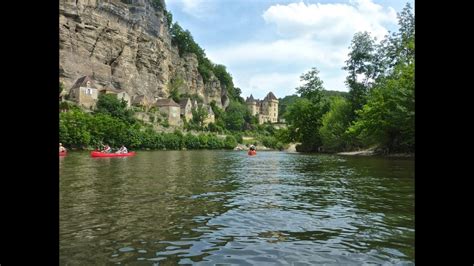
[[89, 91]]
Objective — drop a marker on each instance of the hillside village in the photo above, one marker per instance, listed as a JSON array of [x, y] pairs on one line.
[[85, 94]]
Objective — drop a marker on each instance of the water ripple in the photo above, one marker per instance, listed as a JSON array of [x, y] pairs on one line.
[[208, 207]]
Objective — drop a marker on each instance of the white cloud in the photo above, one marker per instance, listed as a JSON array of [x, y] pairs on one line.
[[330, 21], [280, 51], [306, 35]]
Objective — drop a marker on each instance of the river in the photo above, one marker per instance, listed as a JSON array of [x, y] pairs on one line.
[[224, 207]]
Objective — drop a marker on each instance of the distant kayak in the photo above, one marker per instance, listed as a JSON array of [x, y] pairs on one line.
[[63, 153], [104, 154], [252, 152]]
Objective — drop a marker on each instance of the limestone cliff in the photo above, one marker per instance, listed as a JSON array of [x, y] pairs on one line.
[[126, 44]]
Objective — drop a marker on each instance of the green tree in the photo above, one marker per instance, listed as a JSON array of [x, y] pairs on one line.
[[387, 120], [223, 76], [73, 128], [388, 117], [283, 135], [173, 141], [312, 87], [133, 137], [398, 47], [406, 35], [64, 106], [214, 128], [304, 121], [109, 104], [234, 117], [105, 128], [284, 102], [236, 94], [304, 115], [230, 142], [173, 87], [213, 142], [216, 110], [199, 115], [191, 142], [203, 141], [334, 125], [183, 40], [204, 68], [361, 63]]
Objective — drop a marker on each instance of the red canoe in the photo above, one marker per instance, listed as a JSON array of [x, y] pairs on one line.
[[252, 152], [62, 153], [103, 154]]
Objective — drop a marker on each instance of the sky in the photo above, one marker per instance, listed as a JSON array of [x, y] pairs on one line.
[[267, 45]]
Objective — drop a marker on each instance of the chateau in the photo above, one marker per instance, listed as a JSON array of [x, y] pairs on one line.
[[266, 109]]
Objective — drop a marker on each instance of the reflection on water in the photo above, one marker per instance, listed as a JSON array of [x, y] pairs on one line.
[[209, 207]]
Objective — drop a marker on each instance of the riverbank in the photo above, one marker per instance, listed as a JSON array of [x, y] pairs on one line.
[[290, 149], [242, 147], [359, 153], [372, 152]]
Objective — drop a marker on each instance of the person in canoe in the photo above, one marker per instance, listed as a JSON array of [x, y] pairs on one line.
[[107, 149], [252, 150], [61, 148], [122, 149]]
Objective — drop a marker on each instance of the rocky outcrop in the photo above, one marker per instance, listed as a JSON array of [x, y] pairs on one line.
[[292, 147], [126, 44]]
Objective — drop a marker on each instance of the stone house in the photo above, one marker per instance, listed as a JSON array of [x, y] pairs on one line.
[[142, 101], [171, 109], [84, 92], [186, 109], [210, 115]]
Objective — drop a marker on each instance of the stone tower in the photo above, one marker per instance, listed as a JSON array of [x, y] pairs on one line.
[[271, 106], [252, 105]]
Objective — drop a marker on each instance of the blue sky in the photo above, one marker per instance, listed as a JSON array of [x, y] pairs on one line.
[[267, 44]]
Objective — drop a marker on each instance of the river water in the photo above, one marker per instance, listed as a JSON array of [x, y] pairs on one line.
[[227, 208]]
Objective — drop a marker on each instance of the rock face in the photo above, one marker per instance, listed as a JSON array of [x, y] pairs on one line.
[[126, 44]]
